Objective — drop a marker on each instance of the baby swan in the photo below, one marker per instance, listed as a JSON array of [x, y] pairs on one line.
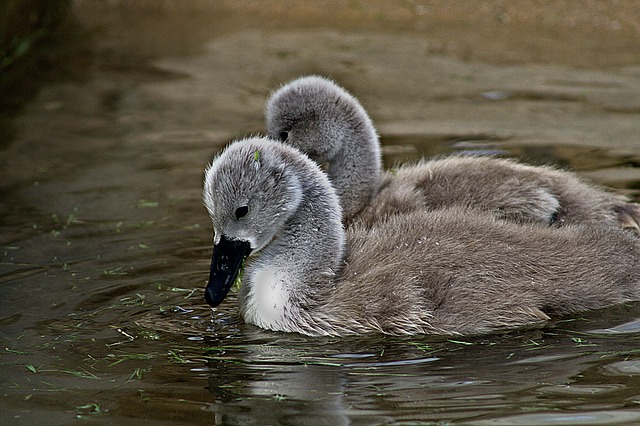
[[447, 271], [321, 119]]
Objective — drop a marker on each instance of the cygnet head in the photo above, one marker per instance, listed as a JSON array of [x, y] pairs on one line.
[[248, 190], [249, 194], [325, 122], [268, 199], [316, 115]]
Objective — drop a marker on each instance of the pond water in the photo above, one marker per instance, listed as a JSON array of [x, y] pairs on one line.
[[105, 243]]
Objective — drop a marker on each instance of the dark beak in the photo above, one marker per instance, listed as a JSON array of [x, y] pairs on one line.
[[228, 257]]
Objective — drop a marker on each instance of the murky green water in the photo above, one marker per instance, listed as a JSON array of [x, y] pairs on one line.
[[105, 245]]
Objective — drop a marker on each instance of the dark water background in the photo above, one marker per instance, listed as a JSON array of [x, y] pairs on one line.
[[105, 244]]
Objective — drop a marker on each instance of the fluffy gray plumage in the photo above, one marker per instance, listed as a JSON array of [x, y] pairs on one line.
[[452, 270], [330, 126], [324, 121]]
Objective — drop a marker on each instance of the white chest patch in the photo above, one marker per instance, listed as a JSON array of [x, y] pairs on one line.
[[268, 299]]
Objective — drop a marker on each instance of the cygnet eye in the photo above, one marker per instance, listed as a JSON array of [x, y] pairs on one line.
[[283, 135], [242, 212]]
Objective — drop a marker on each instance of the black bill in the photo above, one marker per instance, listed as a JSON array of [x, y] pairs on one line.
[[226, 261]]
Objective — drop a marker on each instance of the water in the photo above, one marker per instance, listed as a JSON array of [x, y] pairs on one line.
[[105, 243]]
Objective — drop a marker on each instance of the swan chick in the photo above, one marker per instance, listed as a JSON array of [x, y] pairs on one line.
[[324, 121], [451, 271]]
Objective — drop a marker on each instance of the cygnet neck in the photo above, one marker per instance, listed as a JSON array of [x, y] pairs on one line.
[[292, 272], [355, 168]]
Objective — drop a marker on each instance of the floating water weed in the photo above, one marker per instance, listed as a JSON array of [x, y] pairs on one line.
[[115, 271], [128, 357], [91, 409], [138, 374]]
